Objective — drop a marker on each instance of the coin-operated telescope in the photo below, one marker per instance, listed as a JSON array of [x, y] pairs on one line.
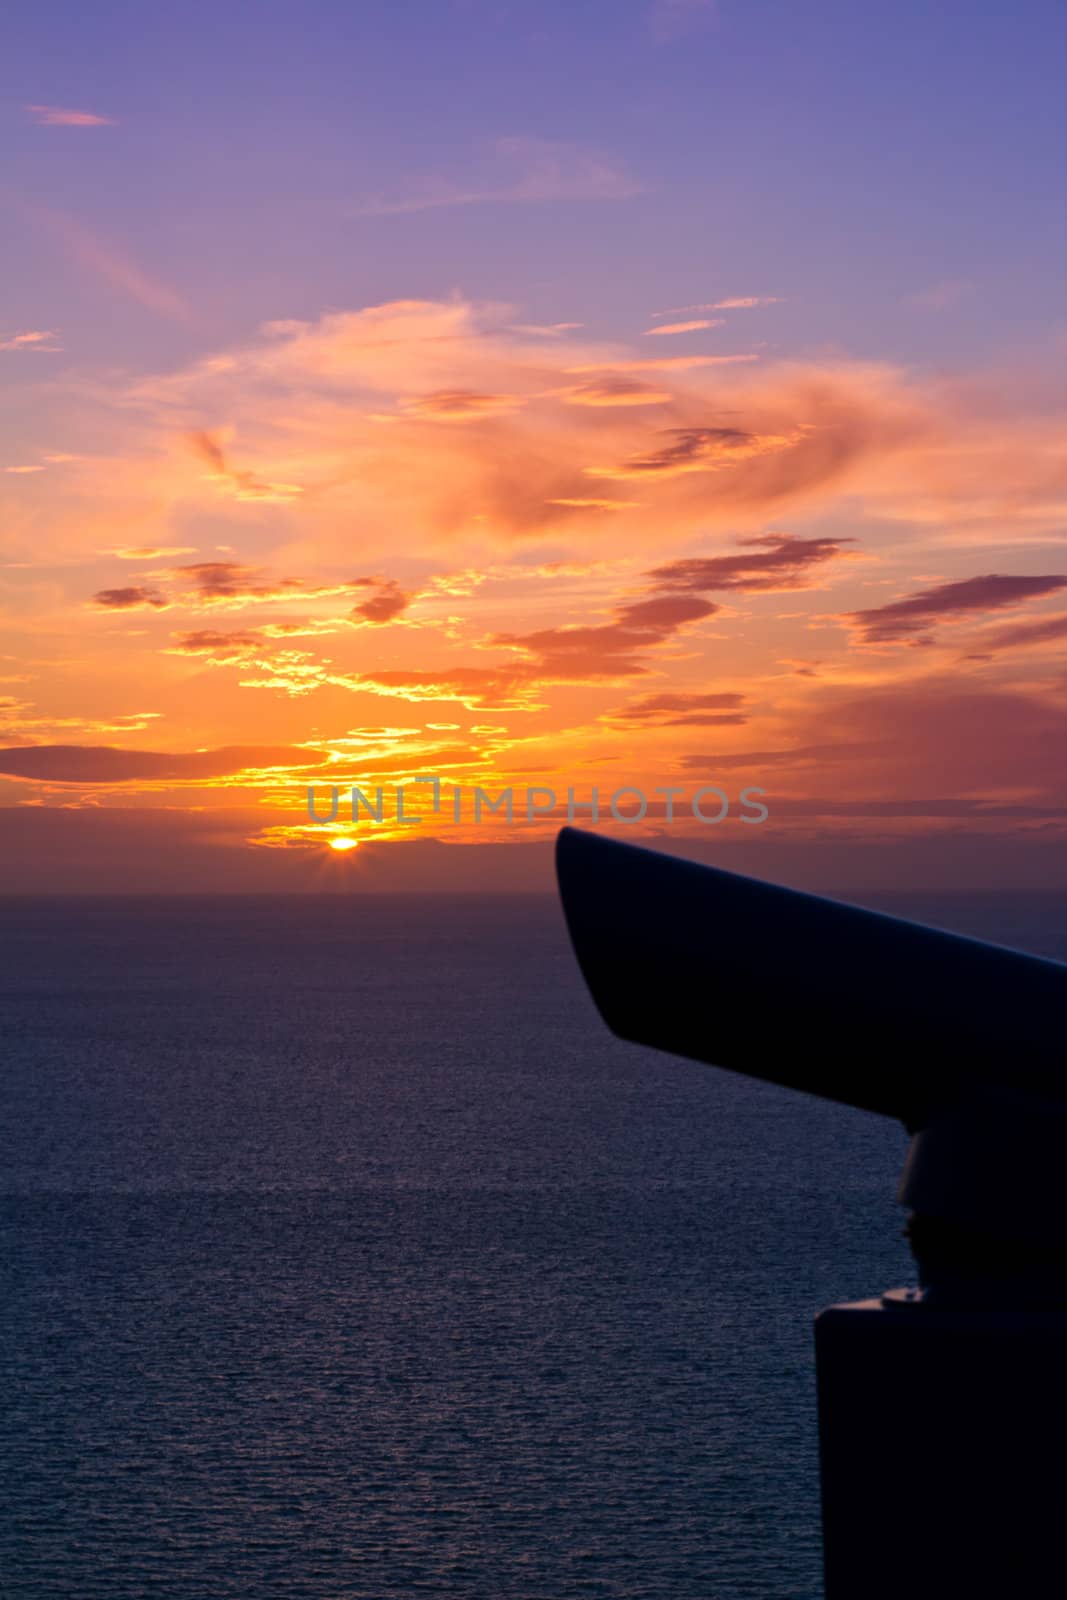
[[942, 1408]]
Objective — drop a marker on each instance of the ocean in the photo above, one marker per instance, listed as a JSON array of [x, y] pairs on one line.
[[346, 1255]]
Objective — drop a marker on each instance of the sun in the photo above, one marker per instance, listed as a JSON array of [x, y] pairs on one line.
[[343, 844]]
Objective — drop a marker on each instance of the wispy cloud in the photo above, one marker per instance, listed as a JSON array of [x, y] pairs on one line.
[[476, 688], [612, 391], [684, 327], [913, 618], [110, 263], [461, 405], [204, 585], [151, 552], [774, 561], [684, 710], [666, 363], [245, 485], [43, 341], [1046, 630], [696, 450], [59, 117], [713, 447], [582, 503], [539, 330], [519, 170], [612, 650], [746, 302]]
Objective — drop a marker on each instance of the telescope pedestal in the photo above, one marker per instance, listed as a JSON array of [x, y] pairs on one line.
[[943, 1450], [943, 1412]]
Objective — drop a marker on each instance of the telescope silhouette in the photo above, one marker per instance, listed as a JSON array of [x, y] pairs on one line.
[[942, 1408]]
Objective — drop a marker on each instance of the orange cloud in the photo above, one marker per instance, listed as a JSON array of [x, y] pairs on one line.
[[150, 552], [550, 330], [526, 591], [231, 584], [584, 503], [23, 718], [747, 302], [34, 339], [308, 394], [489, 688], [684, 327], [855, 456]]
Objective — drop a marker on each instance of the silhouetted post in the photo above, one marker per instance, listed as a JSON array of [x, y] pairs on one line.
[[942, 1409]]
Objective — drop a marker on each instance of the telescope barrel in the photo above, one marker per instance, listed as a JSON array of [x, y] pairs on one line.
[[804, 991]]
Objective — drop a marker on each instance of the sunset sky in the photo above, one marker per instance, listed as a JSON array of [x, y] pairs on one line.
[[572, 393]]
